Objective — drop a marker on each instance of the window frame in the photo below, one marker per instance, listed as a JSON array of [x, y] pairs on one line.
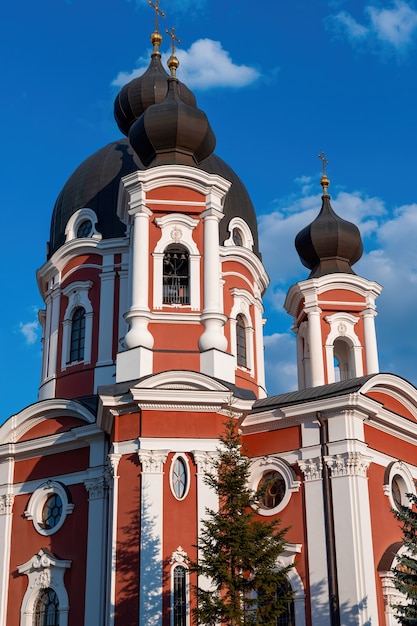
[[183, 458], [179, 559], [78, 297]]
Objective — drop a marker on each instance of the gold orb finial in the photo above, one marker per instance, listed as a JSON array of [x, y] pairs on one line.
[[173, 62], [156, 37], [324, 181]]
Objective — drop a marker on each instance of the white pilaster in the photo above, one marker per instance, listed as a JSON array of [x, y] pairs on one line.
[[150, 584], [6, 506], [371, 347], [316, 346], [55, 301], [353, 538], [96, 553], [105, 335], [206, 497], [316, 540], [111, 568]]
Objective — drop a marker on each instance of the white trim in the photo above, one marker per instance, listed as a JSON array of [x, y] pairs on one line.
[[76, 219], [179, 559], [242, 301], [342, 327], [407, 484], [43, 571], [244, 231], [37, 502], [77, 294], [184, 459], [176, 228], [259, 467]]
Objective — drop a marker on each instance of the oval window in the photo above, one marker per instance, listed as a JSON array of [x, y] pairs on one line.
[[84, 229], [272, 487], [179, 478], [52, 511]]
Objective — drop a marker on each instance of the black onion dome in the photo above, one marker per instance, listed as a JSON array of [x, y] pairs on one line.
[[95, 184], [329, 244], [172, 132], [144, 91]]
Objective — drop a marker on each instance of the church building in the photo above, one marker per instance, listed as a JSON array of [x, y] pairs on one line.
[[152, 334]]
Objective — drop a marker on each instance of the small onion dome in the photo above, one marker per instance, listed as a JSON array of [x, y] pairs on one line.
[[172, 132], [329, 244], [150, 88]]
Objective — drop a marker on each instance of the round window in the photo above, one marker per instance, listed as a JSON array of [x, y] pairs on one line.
[[48, 507], [84, 229], [272, 487], [179, 478]]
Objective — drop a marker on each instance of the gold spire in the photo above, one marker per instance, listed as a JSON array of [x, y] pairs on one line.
[[156, 37], [324, 181], [173, 62]]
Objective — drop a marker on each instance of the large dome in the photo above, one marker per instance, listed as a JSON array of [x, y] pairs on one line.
[[95, 184]]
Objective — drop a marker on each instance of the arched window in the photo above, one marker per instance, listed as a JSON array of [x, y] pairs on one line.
[[283, 592], [77, 342], [179, 608], [176, 275], [241, 341], [46, 612], [287, 618], [343, 366]]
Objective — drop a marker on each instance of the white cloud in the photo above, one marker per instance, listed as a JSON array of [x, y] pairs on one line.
[[343, 22], [30, 331], [394, 25], [203, 66]]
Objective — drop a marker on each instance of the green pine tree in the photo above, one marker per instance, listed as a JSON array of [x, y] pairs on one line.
[[238, 551], [405, 571]]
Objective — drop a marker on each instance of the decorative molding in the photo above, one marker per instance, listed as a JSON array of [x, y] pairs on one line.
[[97, 487], [179, 556], [311, 468], [204, 461], [44, 570], [6, 503], [152, 460], [113, 465], [348, 464]]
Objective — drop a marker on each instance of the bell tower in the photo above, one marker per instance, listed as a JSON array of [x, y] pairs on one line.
[[334, 309]]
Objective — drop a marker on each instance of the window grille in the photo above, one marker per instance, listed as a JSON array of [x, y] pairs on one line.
[[46, 611], [180, 596], [241, 341], [77, 342], [176, 276]]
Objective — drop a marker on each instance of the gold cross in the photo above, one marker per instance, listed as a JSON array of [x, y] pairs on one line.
[[173, 38], [158, 12], [324, 162]]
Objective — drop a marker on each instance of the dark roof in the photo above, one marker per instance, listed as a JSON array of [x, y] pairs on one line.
[[313, 393], [119, 389], [95, 184]]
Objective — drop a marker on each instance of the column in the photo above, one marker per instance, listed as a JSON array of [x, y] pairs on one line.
[[54, 329], [113, 477], [138, 315], [206, 497], [371, 347], [150, 584], [353, 538], [316, 346], [259, 348], [96, 550], [212, 316], [6, 507], [316, 541]]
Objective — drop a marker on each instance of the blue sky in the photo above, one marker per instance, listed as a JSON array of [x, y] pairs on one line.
[[280, 81]]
